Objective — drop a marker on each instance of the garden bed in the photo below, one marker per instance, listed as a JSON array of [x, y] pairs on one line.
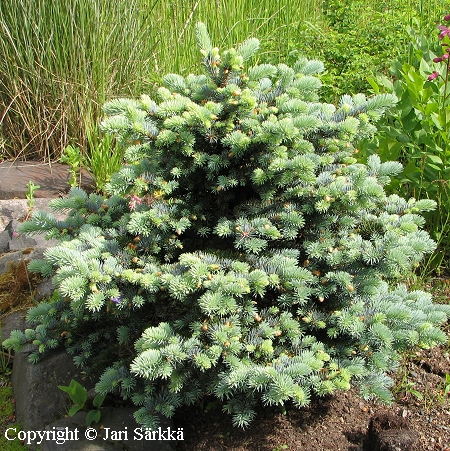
[[336, 423]]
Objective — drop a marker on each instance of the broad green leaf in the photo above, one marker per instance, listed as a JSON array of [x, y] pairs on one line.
[[437, 120], [98, 400], [93, 416], [434, 159], [73, 410]]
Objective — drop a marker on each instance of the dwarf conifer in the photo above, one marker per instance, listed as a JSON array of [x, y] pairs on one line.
[[241, 251]]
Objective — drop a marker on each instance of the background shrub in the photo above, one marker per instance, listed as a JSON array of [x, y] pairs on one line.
[[359, 39], [416, 131]]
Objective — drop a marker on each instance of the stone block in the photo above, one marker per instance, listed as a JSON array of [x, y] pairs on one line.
[[44, 290], [39, 401], [12, 321], [18, 209], [12, 227], [7, 259], [388, 432], [395, 440], [4, 241]]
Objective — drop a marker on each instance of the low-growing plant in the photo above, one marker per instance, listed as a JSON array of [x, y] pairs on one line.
[[416, 131], [446, 385], [242, 252], [5, 361], [31, 188], [280, 448], [72, 156], [404, 386], [79, 396], [103, 158]]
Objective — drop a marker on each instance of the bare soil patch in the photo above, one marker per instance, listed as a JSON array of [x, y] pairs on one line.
[[340, 422]]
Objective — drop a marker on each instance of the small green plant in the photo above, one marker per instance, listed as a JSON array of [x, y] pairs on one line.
[[78, 395], [446, 388], [103, 157], [280, 448], [71, 156], [405, 387], [5, 361], [31, 188]]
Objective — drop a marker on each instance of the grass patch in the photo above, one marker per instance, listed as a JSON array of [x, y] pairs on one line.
[[60, 61], [7, 416]]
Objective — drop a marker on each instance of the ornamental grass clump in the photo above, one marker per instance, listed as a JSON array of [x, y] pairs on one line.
[[242, 252]]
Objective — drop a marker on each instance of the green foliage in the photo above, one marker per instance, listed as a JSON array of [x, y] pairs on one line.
[[78, 395], [31, 188], [357, 39], [60, 61], [71, 155], [404, 388], [102, 158], [446, 385], [242, 251], [5, 362], [8, 441], [416, 133], [280, 448]]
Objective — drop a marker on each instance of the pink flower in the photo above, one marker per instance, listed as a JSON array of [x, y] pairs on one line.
[[437, 60], [444, 31], [447, 17], [134, 202], [433, 76]]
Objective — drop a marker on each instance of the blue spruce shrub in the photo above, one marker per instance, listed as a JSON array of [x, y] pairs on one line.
[[241, 252]]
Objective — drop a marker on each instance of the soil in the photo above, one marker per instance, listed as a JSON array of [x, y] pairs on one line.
[[419, 419]]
